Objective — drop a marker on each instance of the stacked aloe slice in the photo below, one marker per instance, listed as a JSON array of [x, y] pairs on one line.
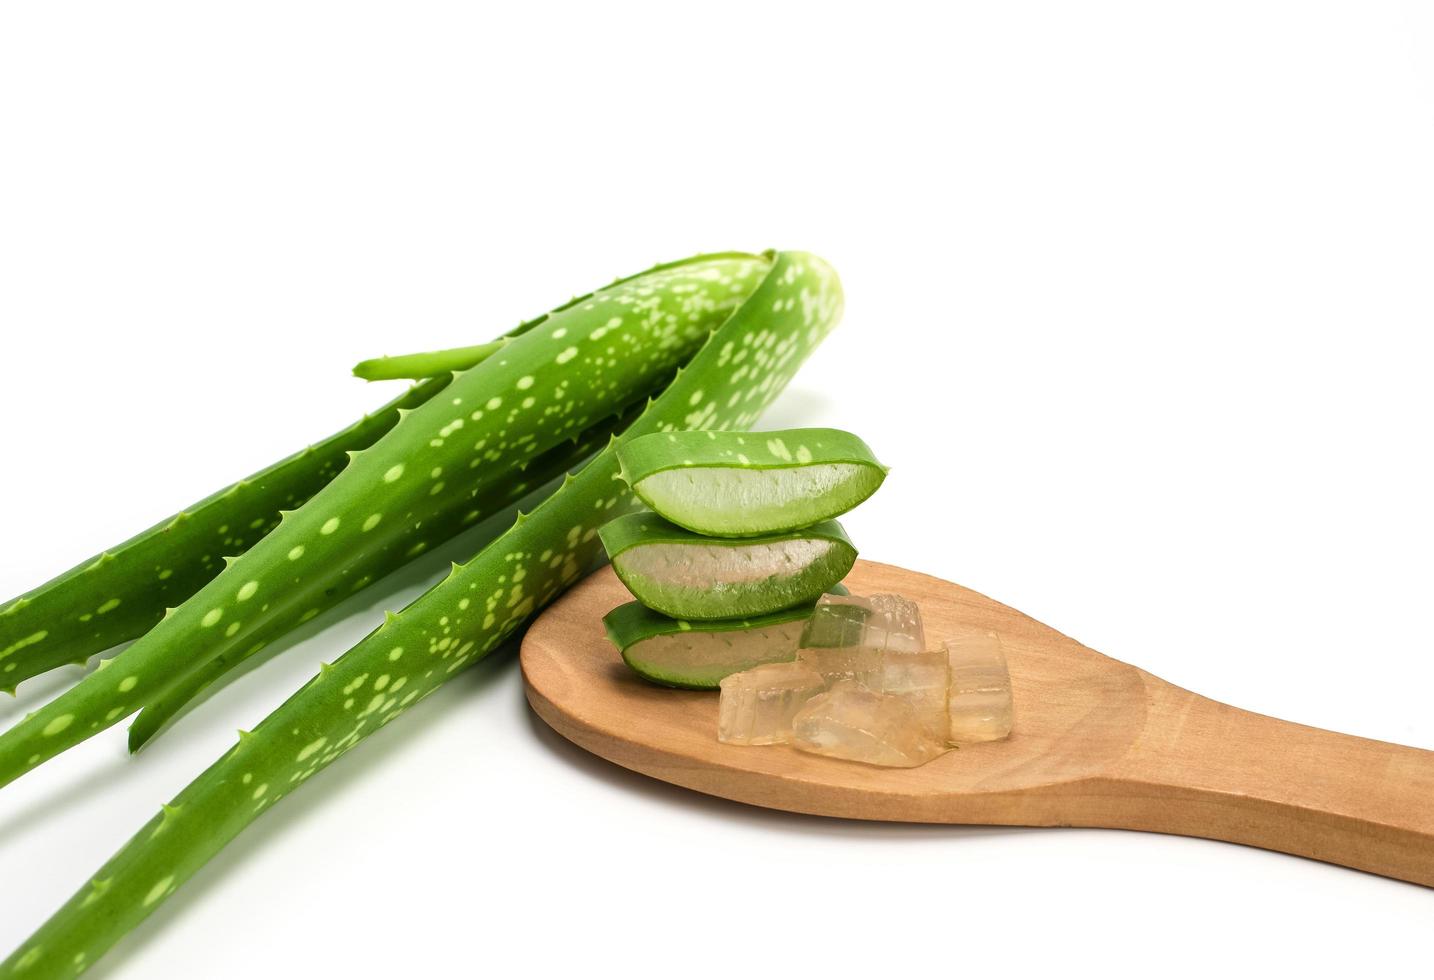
[[739, 546]]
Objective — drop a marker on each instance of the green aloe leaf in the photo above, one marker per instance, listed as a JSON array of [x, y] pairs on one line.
[[428, 364], [689, 576], [389, 504], [750, 483]]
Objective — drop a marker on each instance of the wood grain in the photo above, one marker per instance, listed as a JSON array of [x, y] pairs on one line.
[[1097, 743]]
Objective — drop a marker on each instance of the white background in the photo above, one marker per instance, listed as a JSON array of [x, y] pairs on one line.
[[1138, 308]]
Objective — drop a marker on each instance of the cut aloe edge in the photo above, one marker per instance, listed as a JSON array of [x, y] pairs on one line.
[[698, 653], [688, 576], [751, 483]]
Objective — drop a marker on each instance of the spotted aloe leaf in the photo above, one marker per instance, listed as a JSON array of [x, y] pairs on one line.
[[561, 459], [550, 382], [698, 653], [125, 590], [748, 483], [690, 576], [463, 618]]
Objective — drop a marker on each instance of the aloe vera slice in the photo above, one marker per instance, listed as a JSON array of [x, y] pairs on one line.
[[750, 483], [688, 576], [698, 653]]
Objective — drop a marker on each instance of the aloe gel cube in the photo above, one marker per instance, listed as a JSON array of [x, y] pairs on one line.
[[855, 723], [847, 636], [756, 706], [979, 706]]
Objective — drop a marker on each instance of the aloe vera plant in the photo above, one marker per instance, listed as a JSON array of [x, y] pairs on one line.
[[584, 361], [747, 483], [698, 653], [460, 620], [122, 592], [689, 576]]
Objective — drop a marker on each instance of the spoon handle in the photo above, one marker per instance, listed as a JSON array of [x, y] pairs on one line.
[[1221, 772]]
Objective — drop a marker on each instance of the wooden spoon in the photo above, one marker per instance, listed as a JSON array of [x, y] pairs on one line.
[[1097, 743]]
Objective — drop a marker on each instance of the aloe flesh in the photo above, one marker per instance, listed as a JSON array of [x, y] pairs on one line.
[[751, 483], [463, 618], [688, 576], [698, 653]]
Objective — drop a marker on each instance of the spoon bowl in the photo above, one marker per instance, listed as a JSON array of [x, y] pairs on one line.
[[1096, 743]]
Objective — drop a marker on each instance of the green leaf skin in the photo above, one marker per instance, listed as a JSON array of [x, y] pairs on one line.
[[124, 591], [697, 653], [739, 484], [548, 384], [460, 620], [557, 461], [689, 576]]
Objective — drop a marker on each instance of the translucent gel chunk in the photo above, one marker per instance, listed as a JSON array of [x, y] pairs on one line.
[[847, 635], [922, 680], [852, 722], [756, 706], [894, 624], [980, 700]]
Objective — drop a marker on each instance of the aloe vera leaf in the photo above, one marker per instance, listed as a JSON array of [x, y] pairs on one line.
[[460, 620], [561, 459], [584, 362], [749, 483], [428, 364], [698, 653], [124, 591], [690, 576]]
